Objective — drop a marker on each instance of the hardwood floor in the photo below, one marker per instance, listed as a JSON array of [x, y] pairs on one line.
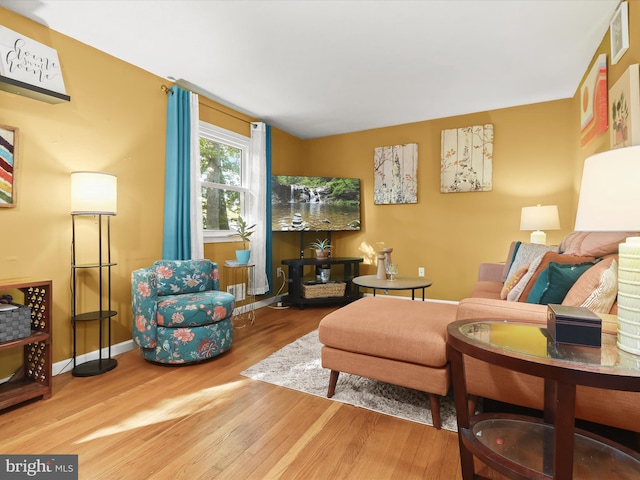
[[206, 421]]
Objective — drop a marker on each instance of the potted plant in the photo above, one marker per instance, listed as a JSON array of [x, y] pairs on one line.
[[322, 248], [244, 231]]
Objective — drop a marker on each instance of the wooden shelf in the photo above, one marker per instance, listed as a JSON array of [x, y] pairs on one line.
[[34, 378]]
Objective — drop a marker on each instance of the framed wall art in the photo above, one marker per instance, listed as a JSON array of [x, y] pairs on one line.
[[624, 109], [467, 159], [8, 150], [619, 32], [593, 102], [395, 174]]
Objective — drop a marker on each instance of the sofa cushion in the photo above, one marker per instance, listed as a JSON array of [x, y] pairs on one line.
[[195, 309], [597, 288], [183, 276], [596, 244], [555, 281], [544, 263], [512, 281]]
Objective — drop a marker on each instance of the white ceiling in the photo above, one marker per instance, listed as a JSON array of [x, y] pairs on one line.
[[317, 68]]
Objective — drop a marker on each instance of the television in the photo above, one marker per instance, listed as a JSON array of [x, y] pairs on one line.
[[316, 204]]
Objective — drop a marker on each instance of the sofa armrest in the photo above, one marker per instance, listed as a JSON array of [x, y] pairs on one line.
[[486, 309], [490, 272], [144, 306]]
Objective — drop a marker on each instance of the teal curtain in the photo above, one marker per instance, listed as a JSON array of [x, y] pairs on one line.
[[176, 244]]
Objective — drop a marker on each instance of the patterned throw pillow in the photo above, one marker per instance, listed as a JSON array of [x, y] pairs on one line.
[[596, 289], [513, 281], [527, 253]]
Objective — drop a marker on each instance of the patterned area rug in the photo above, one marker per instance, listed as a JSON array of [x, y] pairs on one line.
[[297, 366]]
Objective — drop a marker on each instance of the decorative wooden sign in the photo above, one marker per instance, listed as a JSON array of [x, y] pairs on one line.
[[27, 64]]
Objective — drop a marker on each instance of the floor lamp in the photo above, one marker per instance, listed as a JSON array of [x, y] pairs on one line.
[[94, 194], [610, 201]]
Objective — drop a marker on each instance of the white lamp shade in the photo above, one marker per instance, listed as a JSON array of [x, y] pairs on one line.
[[610, 192], [94, 193], [540, 217]]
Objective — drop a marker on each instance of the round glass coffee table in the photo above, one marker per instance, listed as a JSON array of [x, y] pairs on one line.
[[523, 447], [400, 282]]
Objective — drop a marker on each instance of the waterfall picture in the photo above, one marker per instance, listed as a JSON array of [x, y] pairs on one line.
[[315, 203]]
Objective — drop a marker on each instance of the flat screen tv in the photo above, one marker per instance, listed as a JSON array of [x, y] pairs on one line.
[[317, 204]]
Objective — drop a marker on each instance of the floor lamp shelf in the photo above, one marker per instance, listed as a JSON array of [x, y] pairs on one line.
[[104, 313]]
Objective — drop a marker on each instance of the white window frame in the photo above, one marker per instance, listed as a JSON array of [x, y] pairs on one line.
[[241, 142]]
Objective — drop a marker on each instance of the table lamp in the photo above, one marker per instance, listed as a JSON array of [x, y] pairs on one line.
[[538, 218], [609, 201]]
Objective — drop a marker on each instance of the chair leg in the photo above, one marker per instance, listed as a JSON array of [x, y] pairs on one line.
[[333, 379], [435, 410]]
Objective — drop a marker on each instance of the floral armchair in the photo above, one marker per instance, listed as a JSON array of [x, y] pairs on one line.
[[179, 315]]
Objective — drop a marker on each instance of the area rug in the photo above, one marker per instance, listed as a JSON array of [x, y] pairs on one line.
[[297, 366]]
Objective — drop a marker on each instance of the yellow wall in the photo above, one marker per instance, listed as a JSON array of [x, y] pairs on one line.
[[115, 123], [450, 234]]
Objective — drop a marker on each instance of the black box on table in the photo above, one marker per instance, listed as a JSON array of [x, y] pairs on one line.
[[574, 325]]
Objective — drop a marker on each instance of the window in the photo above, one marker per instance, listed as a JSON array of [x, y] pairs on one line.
[[224, 157]]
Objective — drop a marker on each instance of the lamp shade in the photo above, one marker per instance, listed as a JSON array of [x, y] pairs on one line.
[[540, 217], [610, 192], [94, 193]]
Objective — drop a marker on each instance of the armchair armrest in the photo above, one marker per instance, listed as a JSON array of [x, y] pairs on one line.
[[485, 308], [144, 305]]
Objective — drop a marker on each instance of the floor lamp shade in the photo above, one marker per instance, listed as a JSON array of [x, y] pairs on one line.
[[538, 218], [610, 202], [94, 193]]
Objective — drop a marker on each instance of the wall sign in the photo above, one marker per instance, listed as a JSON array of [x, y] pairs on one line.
[[25, 62]]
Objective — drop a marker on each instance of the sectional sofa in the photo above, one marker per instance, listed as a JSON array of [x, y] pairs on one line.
[[593, 288]]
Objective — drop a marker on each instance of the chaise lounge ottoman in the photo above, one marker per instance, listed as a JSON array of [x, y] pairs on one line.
[[391, 340]]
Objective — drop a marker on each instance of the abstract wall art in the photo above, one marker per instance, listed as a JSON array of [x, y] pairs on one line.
[[395, 174], [8, 142], [467, 159], [593, 102]]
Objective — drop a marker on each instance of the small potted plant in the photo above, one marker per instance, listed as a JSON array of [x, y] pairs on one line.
[[244, 231], [322, 248]]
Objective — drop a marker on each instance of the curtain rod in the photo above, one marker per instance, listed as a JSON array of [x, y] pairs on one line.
[[167, 90]]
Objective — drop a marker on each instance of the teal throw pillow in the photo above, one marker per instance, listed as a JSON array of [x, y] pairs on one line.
[[555, 281]]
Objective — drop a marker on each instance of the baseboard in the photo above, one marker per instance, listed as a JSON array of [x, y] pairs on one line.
[[67, 365], [398, 297]]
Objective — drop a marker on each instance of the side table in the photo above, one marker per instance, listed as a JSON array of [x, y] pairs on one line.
[[400, 283], [521, 447], [238, 280]]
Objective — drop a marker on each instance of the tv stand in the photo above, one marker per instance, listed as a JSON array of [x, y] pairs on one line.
[[347, 269]]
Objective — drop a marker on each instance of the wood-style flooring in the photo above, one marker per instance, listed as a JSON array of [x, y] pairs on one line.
[[206, 421]]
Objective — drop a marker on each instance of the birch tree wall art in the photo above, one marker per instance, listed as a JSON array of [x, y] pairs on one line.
[[467, 159], [395, 174]]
